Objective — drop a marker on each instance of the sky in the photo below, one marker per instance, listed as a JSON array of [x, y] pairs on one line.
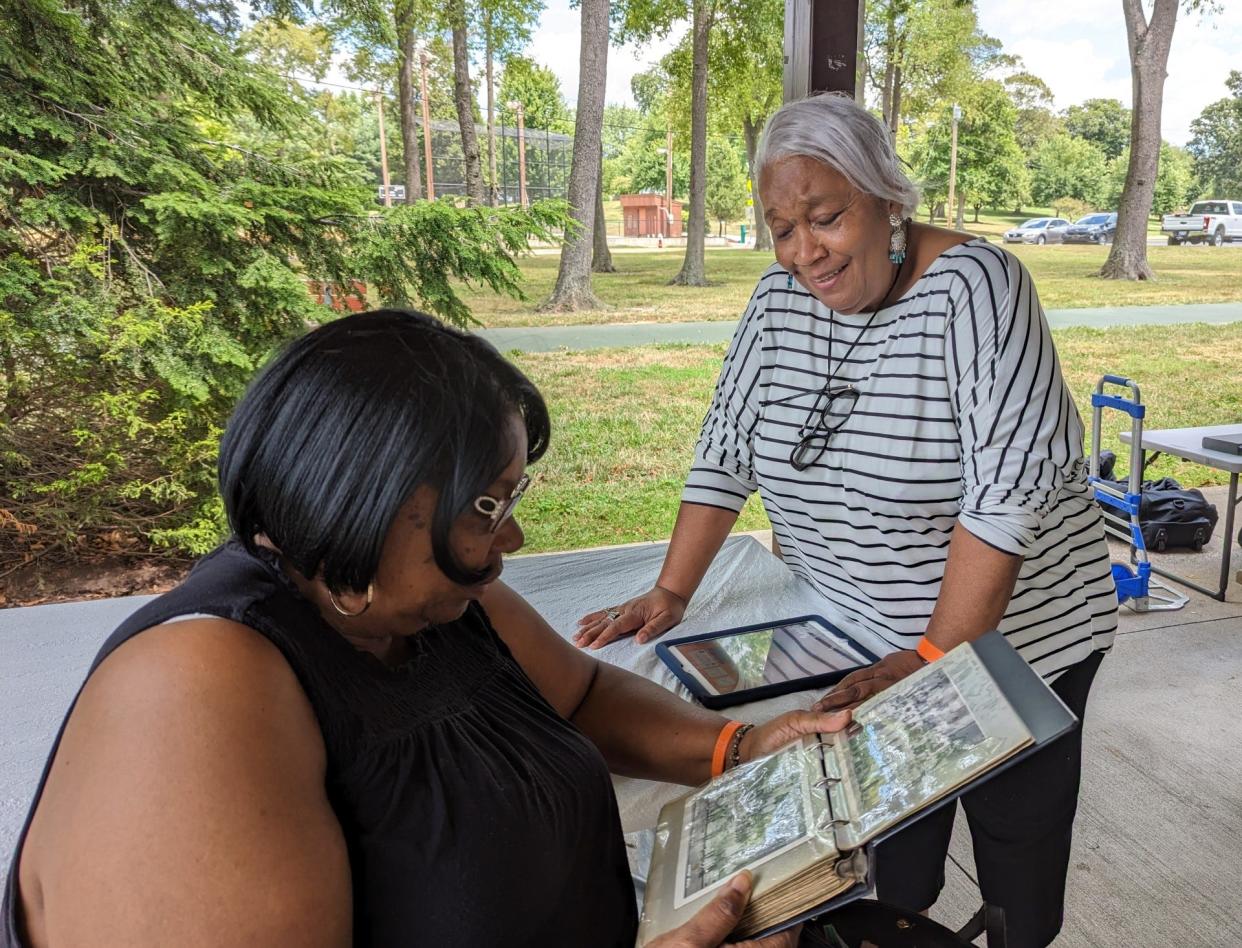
[[1078, 47]]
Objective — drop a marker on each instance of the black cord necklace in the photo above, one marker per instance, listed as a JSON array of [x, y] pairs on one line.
[[867, 325]]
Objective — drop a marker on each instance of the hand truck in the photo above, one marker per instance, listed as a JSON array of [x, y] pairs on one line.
[[1135, 586]]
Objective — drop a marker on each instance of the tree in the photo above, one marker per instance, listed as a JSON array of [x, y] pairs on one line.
[[1149, 41], [1103, 122], [745, 82], [1176, 185], [1216, 142], [918, 53], [726, 182], [162, 216], [1064, 167], [506, 27], [573, 278], [539, 91], [463, 95], [1035, 120], [991, 169], [601, 256], [643, 20]]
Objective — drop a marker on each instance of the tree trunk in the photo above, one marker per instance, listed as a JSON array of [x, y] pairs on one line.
[[895, 121], [763, 236], [960, 217], [692, 271], [463, 97], [1149, 44], [601, 256], [491, 110], [409, 124], [886, 91], [573, 279]]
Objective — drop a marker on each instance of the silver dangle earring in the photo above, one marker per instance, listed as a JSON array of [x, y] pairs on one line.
[[897, 240], [789, 281], [352, 615]]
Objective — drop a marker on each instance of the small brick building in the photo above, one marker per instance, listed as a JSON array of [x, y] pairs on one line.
[[645, 216]]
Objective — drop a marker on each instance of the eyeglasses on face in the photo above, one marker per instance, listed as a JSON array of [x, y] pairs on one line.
[[498, 510], [829, 413]]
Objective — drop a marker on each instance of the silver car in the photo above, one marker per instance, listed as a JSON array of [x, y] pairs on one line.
[[1040, 230]]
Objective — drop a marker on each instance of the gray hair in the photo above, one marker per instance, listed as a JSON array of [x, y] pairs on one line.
[[837, 131]]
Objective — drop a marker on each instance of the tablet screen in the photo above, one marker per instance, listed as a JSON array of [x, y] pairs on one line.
[[780, 653]]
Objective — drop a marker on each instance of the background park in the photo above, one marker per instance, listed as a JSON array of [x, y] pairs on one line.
[[186, 186]]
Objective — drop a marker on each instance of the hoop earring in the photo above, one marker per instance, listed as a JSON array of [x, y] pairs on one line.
[[897, 240], [353, 615]]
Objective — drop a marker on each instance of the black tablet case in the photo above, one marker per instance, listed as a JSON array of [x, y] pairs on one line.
[[716, 702]]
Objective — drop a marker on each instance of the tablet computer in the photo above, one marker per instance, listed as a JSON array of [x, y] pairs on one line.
[[760, 661]]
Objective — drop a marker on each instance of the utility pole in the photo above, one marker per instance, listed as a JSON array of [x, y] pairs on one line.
[[422, 86], [379, 105], [667, 227], [521, 117], [957, 117]]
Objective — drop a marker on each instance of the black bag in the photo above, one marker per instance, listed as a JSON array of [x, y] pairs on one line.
[[1168, 515]]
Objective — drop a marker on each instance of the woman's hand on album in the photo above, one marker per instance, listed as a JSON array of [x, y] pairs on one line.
[[649, 615], [854, 689], [713, 923], [764, 739]]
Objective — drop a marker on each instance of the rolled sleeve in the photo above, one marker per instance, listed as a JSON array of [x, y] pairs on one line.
[[1020, 432], [722, 474]]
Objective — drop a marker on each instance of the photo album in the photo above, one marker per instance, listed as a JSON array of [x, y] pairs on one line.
[[801, 819]]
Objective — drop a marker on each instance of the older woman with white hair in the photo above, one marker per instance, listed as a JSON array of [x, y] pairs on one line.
[[893, 394]]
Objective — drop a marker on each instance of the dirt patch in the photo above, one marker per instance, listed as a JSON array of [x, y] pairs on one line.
[[98, 578]]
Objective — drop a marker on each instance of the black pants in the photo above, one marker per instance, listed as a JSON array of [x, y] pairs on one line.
[[1020, 821]]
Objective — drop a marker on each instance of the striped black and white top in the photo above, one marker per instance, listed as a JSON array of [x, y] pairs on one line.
[[962, 416]]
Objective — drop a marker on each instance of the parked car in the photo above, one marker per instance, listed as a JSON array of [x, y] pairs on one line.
[[396, 190], [1092, 229], [1040, 230], [1213, 222]]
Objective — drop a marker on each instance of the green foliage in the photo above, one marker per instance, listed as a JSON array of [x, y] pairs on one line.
[[1176, 184], [160, 216], [1035, 119], [991, 168], [1103, 122], [726, 181], [1217, 143], [539, 91], [1068, 167], [641, 165]]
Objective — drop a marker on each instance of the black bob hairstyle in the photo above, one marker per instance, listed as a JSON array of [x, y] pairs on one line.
[[347, 421]]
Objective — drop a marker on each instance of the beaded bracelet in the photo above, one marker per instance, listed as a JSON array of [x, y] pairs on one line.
[[735, 745]]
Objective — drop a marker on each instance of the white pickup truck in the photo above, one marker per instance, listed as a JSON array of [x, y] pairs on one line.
[[1212, 222]]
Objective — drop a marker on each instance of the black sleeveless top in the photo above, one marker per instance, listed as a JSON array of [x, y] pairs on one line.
[[474, 814]]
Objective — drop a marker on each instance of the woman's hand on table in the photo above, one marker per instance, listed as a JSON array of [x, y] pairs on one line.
[[854, 689], [649, 615], [764, 739], [714, 922]]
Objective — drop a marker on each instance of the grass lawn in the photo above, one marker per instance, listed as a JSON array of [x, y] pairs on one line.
[[625, 422], [640, 291]]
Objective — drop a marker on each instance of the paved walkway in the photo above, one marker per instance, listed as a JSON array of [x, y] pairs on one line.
[[551, 338]]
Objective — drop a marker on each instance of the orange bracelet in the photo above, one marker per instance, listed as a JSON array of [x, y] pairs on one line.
[[722, 746], [927, 651]]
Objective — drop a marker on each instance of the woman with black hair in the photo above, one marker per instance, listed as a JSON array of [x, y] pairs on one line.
[[341, 728]]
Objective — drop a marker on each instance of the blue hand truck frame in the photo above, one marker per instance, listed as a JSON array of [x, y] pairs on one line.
[[1135, 586]]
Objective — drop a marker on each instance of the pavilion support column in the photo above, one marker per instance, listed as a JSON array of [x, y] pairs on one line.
[[823, 44]]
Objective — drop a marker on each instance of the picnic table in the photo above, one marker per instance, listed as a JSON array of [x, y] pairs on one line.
[[1187, 443]]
